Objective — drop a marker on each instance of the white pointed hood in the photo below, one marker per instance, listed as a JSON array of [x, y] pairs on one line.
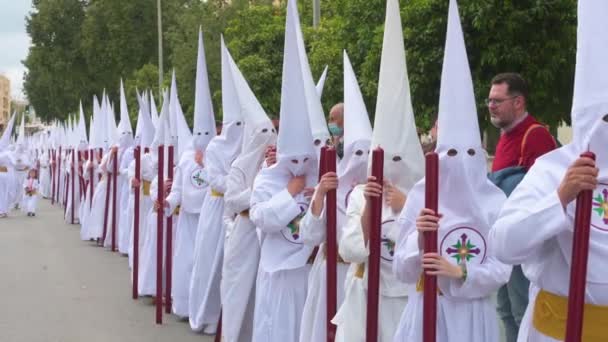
[[259, 130], [204, 119], [357, 131], [295, 139], [153, 109], [162, 134], [318, 124], [82, 129], [590, 99], [6, 135], [394, 125], [321, 82], [229, 141], [21, 133], [181, 136], [124, 129], [468, 201]]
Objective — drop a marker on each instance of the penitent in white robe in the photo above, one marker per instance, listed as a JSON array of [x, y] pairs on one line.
[[241, 259], [313, 231], [148, 172], [204, 298], [72, 172], [351, 316], [6, 182], [95, 222], [125, 211], [188, 192], [535, 231], [282, 279], [45, 176], [465, 310]]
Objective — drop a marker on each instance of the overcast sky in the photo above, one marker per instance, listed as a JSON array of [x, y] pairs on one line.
[[14, 42]]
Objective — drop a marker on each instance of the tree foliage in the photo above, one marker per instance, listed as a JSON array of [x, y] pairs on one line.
[[81, 47]]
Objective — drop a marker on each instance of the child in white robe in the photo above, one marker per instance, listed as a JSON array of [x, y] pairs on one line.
[[30, 192]]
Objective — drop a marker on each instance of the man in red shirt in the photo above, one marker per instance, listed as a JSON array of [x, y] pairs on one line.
[[522, 140]]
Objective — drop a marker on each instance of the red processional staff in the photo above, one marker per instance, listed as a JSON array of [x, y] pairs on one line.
[[58, 172], [331, 247], [159, 234], [169, 247], [373, 262], [53, 175], [578, 265], [429, 297], [73, 181], [114, 191], [91, 179], [66, 183], [136, 196], [107, 205]]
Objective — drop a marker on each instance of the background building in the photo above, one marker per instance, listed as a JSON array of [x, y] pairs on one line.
[[5, 100]]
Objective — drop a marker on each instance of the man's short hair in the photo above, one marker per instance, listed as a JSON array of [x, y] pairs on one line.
[[516, 84]]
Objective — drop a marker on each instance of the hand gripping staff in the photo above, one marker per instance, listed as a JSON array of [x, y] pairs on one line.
[[429, 309], [578, 266], [375, 227], [331, 247]]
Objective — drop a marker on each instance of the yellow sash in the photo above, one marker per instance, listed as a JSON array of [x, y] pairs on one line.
[[176, 211], [339, 257], [3, 169], [551, 312], [146, 188], [215, 193], [245, 213], [420, 285], [360, 271]]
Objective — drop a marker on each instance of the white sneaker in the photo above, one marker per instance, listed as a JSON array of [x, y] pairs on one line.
[[210, 329]]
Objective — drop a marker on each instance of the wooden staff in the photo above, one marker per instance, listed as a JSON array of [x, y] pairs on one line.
[[53, 176], [92, 180], [106, 209], [578, 266], [331, 248], [136, 195], [114, 190], [159, 235], [429, 309], [373, 263], [169, 257], [58, 173], [73, 181], [218, 333]]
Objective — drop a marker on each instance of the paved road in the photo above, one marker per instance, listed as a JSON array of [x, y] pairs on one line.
[[56, 288]]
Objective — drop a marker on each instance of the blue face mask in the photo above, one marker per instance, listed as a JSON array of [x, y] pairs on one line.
[[334, 130]]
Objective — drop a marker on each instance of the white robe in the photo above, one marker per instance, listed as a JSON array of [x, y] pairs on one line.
[[535, 231], [76, 184], [45, 176], [464, 309], [148, 173], [125, 210], [351, 316], [188, 191], [240, 268], [204, 299], [121, 181], [283, 272], [6, 183], [30, 201], [314, 318], [95, 222], [87, 204]]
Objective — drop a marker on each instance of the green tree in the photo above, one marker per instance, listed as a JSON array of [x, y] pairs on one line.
[[56, 72]]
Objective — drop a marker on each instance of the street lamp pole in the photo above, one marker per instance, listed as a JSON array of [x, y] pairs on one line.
[[160, 49], [316, 13]]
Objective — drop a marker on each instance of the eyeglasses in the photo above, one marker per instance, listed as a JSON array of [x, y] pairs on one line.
[[498, 102]]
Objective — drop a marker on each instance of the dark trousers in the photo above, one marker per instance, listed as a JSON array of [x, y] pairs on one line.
[[512, 302]]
